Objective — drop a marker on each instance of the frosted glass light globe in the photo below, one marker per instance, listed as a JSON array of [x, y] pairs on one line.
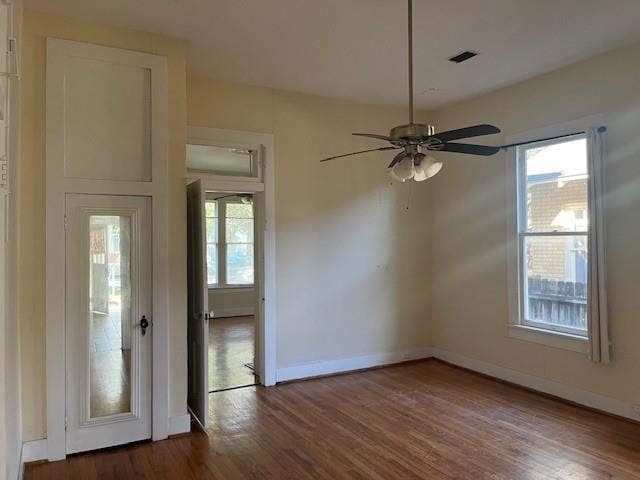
[[404, 169]]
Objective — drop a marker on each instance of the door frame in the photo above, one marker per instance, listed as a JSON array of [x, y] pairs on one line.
[[57, 186], [264, 198]]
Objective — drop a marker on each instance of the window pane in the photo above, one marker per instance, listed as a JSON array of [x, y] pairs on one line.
[[221, 161], [240, 264], [212, 230], [239, 230], [556, 189], [239, 210], [211, 209], [212, 264], [556, 280]]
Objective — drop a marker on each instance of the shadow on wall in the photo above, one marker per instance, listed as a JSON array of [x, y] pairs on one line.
[[470, 257]]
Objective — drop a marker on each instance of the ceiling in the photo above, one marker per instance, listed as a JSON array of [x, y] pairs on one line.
[[356, 49]]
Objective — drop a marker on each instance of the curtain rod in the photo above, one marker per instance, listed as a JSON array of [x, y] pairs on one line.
[[504, 147]]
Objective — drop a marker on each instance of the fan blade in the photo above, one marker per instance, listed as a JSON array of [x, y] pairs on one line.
[[398, 158], [467, 132], [358, 153], [469, 149], [374, 135]]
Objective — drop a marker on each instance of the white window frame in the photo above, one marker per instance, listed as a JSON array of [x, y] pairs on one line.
[[554, 336], [221, 210]]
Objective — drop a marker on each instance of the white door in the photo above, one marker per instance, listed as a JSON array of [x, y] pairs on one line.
[[108, 320], [198, 324]]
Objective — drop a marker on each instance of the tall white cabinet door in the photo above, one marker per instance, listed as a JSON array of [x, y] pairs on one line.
[[198, 324], [108, 320]]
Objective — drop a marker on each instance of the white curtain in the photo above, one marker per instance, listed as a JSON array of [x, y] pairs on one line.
[[597, 291]]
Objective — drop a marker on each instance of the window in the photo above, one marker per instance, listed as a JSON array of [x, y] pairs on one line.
[[239, 243], [553, 234], [211, 227], [234, 162], [230, 242]]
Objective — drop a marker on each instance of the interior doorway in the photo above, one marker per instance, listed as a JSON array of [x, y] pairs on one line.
[[230, 232], [231, 263], [224, 280]]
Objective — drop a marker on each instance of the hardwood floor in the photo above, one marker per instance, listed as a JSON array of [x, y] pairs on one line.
[[231, 348], [423, 419]]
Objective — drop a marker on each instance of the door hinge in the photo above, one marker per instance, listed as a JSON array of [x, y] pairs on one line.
[[65, 223], [65, 423]]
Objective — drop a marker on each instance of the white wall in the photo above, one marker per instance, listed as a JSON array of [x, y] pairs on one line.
[[468, 232]]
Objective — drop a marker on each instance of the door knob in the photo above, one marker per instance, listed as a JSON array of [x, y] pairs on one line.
[[144, 324]]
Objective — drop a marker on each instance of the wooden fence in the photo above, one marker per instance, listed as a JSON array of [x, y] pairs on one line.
[[560, 303]]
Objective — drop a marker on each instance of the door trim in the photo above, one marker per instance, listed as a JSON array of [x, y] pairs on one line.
[[264, 197], [57, 186]]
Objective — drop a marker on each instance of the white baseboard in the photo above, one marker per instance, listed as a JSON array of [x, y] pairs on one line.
[[582, 397], [34, 451], [233, 312], [179, 424], [328, 367]]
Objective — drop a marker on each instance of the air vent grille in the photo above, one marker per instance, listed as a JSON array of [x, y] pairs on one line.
[[463, 57]]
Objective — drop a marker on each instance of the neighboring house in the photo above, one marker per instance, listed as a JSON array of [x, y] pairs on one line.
[[558, 201], [558, 276]]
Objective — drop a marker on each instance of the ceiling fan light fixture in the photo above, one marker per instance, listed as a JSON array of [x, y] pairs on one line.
[[427, 168], [405, 169], [393, 175], [420, 175]]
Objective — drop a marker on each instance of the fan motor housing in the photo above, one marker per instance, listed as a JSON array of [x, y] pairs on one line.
[[412, 133]]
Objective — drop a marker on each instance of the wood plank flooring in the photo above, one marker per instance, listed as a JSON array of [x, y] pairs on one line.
[[231, 347], [420, 420]]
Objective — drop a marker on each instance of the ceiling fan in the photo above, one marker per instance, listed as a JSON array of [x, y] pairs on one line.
[[414, 139]]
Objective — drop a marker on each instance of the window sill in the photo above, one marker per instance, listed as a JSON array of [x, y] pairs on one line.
[[566, 341], [233, 288]]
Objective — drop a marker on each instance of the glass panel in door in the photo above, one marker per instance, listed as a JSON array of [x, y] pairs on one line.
[[110, 315]]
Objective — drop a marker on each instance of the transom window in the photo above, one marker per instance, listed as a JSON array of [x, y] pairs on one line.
[[553, 234], [230, 242]]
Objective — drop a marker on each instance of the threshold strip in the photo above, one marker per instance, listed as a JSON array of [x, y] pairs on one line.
[[233, 388]]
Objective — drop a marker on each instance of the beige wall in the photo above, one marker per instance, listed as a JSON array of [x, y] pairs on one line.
[[469, 307], [38, 26], [351, 245]]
